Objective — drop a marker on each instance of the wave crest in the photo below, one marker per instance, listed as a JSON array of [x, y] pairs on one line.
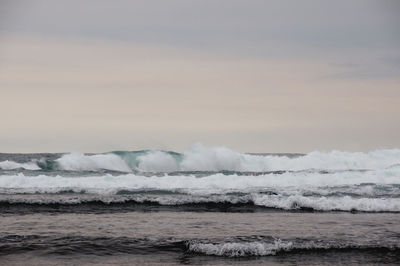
[[82, 162], [201, 158], [11, 165]]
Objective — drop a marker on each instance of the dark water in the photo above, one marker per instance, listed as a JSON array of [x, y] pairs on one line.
[[205, 206], [200, 238]]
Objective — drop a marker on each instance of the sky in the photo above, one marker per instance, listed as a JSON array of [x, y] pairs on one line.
[[254, 76]]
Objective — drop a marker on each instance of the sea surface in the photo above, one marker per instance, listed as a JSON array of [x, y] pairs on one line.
[[204, 206]]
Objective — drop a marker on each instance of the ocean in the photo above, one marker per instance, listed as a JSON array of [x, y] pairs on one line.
[[205, 206]]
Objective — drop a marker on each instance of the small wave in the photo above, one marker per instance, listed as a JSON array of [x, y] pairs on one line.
[[266, 246], [240, 249], [278, 246], [227, 203], [328, 203]]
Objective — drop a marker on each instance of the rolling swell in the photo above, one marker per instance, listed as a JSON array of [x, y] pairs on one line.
[[127, 205]]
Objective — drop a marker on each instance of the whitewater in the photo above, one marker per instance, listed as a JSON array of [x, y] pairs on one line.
[[207, 205], [333, 181], [201, 158]]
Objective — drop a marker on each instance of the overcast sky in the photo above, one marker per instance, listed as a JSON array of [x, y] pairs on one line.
[[255, 76]]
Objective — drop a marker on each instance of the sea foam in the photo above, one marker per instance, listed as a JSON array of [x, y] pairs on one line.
[[214, 183], [261, 248], [240, 249], [201, 158]]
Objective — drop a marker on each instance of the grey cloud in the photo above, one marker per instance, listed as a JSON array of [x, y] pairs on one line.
[[254, 27], [369, 68]]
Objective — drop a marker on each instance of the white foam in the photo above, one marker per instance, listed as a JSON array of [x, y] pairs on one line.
[[201, 158], [157, 161], [10, 165], [167, 200], [82, 162], [345, 203], [288, 186], [217, 183], [259, 248], [294, 202], [240, 249]]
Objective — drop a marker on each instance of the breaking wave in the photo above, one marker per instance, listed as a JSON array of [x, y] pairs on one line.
[[81, 162], [207, 179], [216, 203], [312, 182], [201, 158], [10, 165], [261, 248], [241, 249]]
